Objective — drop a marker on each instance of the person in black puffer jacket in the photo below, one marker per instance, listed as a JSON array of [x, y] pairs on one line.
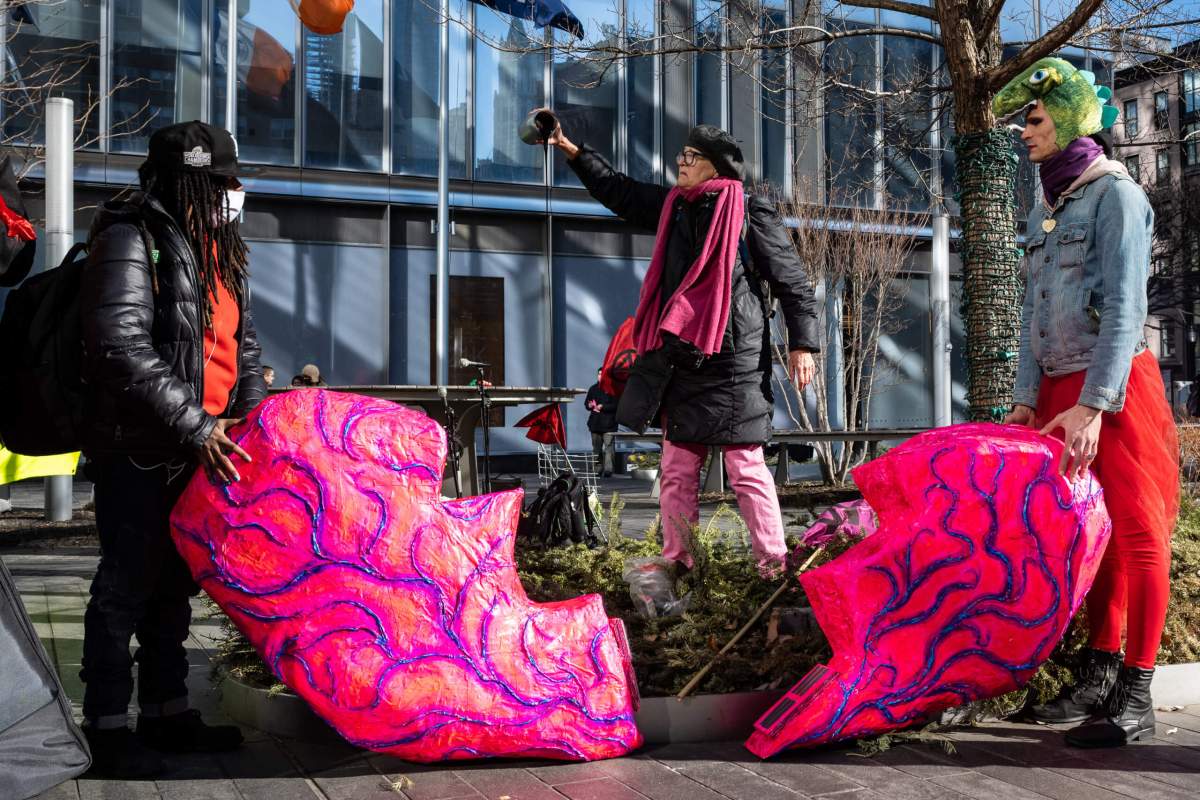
[[171, 361], [601, 420], [723, 397]]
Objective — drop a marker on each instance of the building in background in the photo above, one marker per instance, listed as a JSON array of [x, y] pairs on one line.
[[340, 222], [1158, 140]]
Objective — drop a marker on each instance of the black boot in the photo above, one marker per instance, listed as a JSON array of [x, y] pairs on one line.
[[118, 754], [1098, 672], [1128, 717], [187, 733]]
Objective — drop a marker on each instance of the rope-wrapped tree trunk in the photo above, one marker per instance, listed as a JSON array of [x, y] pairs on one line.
[[986, 174]]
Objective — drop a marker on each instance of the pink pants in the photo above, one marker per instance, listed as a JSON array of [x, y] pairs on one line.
[[679, 499]]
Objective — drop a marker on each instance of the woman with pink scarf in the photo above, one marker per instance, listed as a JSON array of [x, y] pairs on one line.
[[704, 366]]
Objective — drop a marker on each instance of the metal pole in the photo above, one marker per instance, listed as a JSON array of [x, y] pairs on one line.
[[60, 235], [442, 311], [939, 312]]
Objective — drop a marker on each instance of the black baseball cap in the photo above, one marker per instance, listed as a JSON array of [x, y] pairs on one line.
[[196, 147]]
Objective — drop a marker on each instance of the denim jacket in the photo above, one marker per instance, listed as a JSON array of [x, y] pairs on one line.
[[1085, 287]]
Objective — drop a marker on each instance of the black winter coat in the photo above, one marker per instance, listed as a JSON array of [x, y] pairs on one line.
[[144, 351], [727, 399], [604, 420]]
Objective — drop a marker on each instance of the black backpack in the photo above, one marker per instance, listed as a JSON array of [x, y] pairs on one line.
[[41, 342], [560, 514]]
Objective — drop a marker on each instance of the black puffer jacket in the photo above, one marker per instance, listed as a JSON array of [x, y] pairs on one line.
[[728, 398], [144, 351]]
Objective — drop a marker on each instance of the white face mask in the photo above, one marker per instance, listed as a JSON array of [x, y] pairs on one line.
[[235, 199]]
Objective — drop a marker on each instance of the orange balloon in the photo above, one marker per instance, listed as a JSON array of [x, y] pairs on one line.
[[324, 16]]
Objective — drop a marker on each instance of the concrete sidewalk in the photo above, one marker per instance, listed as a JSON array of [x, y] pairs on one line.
[[995, 762]]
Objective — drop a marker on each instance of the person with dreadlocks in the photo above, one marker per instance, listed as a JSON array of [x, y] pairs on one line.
[[171, 361], [1084, 372]]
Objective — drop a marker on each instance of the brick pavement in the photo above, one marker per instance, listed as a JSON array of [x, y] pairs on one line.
[[994, 762]]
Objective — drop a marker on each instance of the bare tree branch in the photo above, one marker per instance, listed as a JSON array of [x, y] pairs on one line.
[[899, 6], [1055, 38], [989, 22]]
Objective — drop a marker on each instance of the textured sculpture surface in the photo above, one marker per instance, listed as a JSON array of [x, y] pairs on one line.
[[982, 557], [396, 614]]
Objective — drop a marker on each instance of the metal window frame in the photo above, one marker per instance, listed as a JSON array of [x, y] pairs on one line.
[[108, 12]]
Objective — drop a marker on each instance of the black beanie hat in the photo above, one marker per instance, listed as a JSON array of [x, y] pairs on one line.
[[720, 148]]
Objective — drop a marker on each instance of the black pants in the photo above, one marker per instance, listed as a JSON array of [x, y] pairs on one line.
[[142, 588]]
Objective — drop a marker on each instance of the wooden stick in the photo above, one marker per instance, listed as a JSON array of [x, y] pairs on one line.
[[737, 637]]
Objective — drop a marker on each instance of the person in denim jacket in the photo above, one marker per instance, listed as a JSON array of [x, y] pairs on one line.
[[1084, 372]]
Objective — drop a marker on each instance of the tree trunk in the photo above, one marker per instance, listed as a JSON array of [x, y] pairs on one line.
[[985, 174]]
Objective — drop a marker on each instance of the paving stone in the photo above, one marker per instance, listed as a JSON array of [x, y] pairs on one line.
[[94, 789], [978, 786], [857, 794], [209, 789], [515, 783], [257, 760], [738, 783], [680, 755], [321, 757], [656, 780], [64, 791], [599, 789], [806, 779], [1048, 783], [567, 772], [191, 766], [432, 784], [365, 786], [1127, 783], [873, 774], [276, 789], [920, 762]]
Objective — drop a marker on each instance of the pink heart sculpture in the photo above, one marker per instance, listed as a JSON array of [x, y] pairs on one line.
[[398, 616], [983, 555]]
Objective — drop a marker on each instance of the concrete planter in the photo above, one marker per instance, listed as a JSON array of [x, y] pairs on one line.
[[703, 718], [1176, 685], [647, 475]]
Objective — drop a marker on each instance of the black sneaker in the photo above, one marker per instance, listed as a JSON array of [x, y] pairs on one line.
[[187, 733], [118, 754]]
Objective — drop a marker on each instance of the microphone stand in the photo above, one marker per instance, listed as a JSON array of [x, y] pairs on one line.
[[452, 439], [485, 403]]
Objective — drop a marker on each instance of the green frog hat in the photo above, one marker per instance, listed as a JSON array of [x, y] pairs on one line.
[[1071, 96]]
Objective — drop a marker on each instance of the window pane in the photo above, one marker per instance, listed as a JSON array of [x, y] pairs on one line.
[[775, 99], [907, 65], [56, 54], [1191, 91], [508, 85], [585, 92], [1162, 166], [1134, 165], [343, 77], [1191, 144], [850, 122], [266, 81], [416, 61], [639, 102], [1131, 119], [710, 109], [156, 68]]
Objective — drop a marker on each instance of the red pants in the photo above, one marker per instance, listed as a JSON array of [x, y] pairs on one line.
[[1137, 464]]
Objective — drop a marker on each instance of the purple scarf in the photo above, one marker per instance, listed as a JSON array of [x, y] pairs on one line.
[[1060, 170]]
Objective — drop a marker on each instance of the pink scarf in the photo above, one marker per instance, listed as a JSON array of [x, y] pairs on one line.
[[698, 312]]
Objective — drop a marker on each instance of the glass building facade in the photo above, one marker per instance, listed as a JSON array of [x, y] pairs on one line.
[[340, 221]]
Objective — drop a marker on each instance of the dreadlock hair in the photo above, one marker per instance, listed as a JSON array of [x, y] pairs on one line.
[[197, 202]]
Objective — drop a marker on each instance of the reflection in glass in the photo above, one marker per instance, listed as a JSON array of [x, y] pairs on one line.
[[508, 84], [710, 89], [53, 50], [266, 81], [775, 100], [343, 79], [639, 99], [416, 60], [585, 89], [850, 122], [156, 68], [907, 67]]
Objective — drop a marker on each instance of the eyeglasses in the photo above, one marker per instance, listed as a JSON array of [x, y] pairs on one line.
[[689, 158]]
